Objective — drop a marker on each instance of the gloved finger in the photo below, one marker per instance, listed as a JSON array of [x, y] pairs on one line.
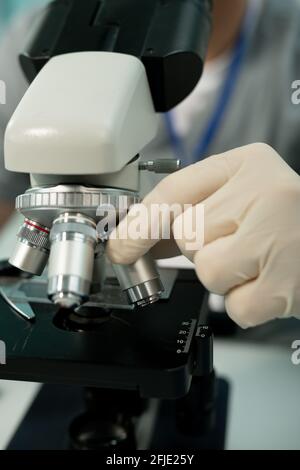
[[188, 231], [137, 233], [226, 263], [225, 211], [255, 303], [165, 249], [188, 186], [203, 223], [218, 216]]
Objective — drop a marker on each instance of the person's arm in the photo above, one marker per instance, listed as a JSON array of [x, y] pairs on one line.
[[251, 249]]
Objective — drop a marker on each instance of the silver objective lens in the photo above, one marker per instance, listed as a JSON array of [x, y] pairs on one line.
[[32, 249], [71, 263], [140, 281]]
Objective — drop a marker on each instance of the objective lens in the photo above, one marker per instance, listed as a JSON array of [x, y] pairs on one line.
[[140, 281], [32, 249], [73, 242]]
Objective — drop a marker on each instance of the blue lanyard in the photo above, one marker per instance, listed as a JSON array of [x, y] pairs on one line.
[[214, 124]]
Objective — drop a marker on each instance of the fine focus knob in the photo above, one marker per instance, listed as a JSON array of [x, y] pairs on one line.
[[32, 249], [161, 166]]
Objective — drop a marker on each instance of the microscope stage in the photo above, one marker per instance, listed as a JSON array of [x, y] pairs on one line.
[[149, 349]]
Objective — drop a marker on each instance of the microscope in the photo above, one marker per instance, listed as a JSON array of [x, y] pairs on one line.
[[100, 71]]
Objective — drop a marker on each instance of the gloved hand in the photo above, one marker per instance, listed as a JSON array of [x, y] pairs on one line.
[[251, 251]]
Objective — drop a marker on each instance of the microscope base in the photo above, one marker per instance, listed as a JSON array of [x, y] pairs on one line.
[[58, 405]]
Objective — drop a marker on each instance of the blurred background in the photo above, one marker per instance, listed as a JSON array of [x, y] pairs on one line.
[[11, 8]]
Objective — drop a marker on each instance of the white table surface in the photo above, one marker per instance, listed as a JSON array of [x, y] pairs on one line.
[[265, 386]]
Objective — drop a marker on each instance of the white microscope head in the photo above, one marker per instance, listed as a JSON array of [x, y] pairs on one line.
[[87, 113]]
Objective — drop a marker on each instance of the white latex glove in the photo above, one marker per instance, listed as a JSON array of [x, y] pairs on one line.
[[251, 251]]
